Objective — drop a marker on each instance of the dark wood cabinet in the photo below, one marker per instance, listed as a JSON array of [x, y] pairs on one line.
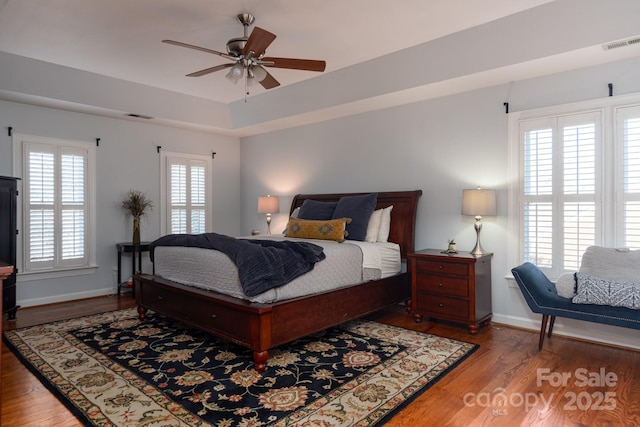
[[8, 240], [5, 271], [453, 287]]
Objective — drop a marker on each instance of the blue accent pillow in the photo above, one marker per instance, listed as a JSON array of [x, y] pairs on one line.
[[317, 211], [359, 209]]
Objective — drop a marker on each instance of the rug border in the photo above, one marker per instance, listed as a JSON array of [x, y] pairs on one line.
[[79, 414], [431, 383], [45, 382]]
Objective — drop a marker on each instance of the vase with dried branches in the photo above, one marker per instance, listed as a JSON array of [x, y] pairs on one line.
[[136, 204]]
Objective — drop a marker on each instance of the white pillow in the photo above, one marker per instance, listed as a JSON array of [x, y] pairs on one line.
[[373, 228], [566, 285], [294, 214], [385, 225]]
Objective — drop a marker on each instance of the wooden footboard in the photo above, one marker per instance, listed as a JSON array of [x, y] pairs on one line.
[[262, 327]]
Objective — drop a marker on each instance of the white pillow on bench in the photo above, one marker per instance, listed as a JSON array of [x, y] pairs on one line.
[[614, 264]]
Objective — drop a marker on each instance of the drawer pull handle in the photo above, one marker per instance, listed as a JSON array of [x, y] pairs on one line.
[[441, 305], [160, 298], [213, 316], [440, 267], [440, 284]]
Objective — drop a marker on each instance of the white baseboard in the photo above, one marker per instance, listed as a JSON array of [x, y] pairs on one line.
[[32, 302], [588, 331]]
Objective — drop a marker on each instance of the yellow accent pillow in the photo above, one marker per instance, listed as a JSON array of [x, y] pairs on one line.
[[333, 229]]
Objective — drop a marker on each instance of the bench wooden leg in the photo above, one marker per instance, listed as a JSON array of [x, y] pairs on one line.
[[545, 319], [553, 320]]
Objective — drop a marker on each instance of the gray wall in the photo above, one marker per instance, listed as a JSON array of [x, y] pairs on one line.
[[441, 146], [126, 159]]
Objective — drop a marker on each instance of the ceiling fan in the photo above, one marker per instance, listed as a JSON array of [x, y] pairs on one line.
[[247, 53]]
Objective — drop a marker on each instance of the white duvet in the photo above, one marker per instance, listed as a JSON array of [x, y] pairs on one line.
[[346, 263]]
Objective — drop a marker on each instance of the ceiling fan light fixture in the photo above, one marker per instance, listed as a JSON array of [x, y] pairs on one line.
[[235, 73], [231, 78], [259, 73]]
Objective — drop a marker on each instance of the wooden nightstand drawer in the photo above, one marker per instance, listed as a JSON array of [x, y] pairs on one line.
[[445, 285], [437, 305], [442, 267]]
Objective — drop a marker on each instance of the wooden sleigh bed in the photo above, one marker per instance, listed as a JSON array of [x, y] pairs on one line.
[[262, 327]]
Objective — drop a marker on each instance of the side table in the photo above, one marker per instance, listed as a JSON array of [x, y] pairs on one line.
[[133, 249], [454, 287]]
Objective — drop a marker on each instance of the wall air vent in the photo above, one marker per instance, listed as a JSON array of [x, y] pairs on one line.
[[139, 116], [621, 43]]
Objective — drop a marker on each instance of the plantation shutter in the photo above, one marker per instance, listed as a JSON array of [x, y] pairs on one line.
[[178, 198], [537, 197], [198, 197], [629, 124], [579, 150], [55, 206], [559, 181], [187, 195]]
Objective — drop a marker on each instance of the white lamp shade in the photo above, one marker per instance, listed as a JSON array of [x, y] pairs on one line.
[[235, 73], [259, 73], [268, 204], [479, 202]]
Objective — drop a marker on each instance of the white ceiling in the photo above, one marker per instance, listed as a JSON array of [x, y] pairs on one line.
[[379, 54], [122, 38]]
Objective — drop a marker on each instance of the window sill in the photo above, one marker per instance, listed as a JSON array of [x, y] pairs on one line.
[[56, 274]]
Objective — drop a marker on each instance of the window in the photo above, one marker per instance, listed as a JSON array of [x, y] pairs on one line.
[[576, 181], [57, 203], [185, 201]]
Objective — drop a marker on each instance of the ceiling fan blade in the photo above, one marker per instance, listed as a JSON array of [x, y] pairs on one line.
[[295, 64], [269, 82], [258, 42], [203, 49], [209, 70]]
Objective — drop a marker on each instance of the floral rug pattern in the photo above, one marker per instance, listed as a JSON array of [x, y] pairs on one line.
[[111, 369]]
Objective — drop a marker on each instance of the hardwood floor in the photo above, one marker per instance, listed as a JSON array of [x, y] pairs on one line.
[[506, 365]]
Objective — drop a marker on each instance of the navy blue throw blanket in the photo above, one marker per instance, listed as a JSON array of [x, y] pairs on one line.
[[262, 264]]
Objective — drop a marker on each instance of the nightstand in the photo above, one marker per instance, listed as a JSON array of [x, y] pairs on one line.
[[133, 249], [453, 287]]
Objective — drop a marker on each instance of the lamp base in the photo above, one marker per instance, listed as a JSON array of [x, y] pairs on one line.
[[478, 250], [268, 223]]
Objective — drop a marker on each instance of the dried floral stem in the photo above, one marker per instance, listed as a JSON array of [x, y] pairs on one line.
[[137, 204]]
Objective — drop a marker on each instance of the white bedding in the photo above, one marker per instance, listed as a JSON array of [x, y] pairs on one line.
[[347, 263]]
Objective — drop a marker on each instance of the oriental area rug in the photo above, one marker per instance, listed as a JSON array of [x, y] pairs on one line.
[[112, 369]]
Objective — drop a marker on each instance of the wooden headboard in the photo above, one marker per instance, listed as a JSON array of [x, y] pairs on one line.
[[403, 214]]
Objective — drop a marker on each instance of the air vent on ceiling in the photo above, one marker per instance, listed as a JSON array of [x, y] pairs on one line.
[[139, 116], [621, 43]]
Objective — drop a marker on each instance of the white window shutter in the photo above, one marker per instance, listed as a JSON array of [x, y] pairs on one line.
[[186, 200], [575, 181], [56, 232]]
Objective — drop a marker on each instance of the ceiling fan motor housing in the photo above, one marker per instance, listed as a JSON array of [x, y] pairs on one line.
[[235, 46]]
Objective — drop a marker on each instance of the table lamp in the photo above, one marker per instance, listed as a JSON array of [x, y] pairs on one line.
[[268, 205], [478, 203]]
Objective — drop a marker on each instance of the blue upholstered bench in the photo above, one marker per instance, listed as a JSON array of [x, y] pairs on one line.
[[542, 297]]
